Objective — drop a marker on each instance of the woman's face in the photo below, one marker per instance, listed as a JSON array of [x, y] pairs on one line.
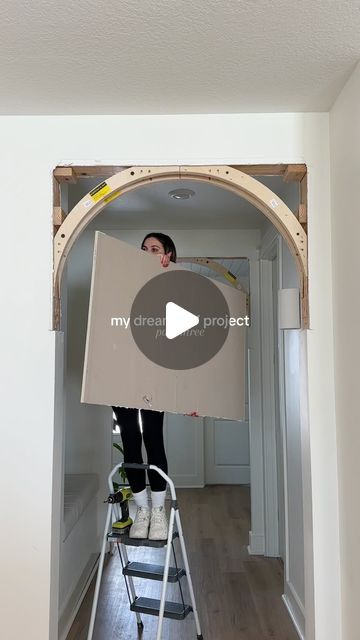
[[152, 245]]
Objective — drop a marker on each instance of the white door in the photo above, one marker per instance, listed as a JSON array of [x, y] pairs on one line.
[[227, 454], [184, 444]]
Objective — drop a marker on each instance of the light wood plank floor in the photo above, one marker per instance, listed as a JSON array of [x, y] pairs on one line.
[[238, 596]]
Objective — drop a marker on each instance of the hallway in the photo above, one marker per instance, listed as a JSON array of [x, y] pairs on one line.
[[238, 596]]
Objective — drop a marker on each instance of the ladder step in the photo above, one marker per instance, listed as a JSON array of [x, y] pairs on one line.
[[152, 571], [123, 538], [151, 606]]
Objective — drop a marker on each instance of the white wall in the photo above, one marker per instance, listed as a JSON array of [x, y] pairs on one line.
[[345, 168], [30, 148]]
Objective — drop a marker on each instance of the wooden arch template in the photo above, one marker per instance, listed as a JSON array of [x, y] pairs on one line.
[[227, 177], [213, 265]]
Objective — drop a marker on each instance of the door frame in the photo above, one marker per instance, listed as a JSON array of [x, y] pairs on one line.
[[272, 249], [291, 226]]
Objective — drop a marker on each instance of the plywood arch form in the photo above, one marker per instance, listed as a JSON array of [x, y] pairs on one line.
[[223, 176]]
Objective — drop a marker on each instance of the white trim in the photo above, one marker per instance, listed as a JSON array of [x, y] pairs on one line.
[[282, 416], [71, 609], [282, 409], [256, 545], [309, 552], [255, 411], [295, 609], [268, 407], [271, 247], [178, 485]]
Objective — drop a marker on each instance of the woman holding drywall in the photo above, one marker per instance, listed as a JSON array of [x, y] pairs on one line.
[[149, 521]]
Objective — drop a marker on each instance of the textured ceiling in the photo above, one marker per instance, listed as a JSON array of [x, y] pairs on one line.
[[170, 56]]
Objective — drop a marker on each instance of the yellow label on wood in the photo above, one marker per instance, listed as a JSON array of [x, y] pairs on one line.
[[230, 276], [98, 192], [113, 196]]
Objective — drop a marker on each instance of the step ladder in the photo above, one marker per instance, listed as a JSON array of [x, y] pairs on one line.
[[161, 608]]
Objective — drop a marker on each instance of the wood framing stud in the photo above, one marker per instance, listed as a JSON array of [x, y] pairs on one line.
[[58, 216], [56, 193], [261, 169], [98, 171], [289, 172], [294, 172], [304, 302], [303, 190], [106, 171], [302, 214], [65, 174]]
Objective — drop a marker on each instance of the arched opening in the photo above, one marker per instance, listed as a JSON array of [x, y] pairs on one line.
[[73, 233], [226, 177]]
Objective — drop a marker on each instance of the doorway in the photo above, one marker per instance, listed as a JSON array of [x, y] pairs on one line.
[[194, 237]]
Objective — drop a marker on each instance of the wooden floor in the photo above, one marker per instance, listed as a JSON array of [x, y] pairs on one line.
[[238, 596]]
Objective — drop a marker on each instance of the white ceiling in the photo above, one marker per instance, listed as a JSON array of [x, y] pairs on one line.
[[150, 207], [170, 56]]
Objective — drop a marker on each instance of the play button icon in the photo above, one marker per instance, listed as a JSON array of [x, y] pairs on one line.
[[178, 320]]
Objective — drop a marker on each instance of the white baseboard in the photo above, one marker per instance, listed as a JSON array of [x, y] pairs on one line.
[[295, 608], [72, 607], [189, 486], [256, 544]]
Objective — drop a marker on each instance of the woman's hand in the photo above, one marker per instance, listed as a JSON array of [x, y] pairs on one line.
[[165, 259]]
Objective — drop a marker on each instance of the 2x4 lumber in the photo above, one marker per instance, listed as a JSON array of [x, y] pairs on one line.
[[65, 174], [98, 171], [56, 193], [290, 172], [303, 191], [261, 169], [58, 216], [302, 214], [294, 172], [303, 217], [305, 320]]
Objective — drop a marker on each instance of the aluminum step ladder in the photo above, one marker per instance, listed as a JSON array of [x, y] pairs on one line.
[[161, 608]]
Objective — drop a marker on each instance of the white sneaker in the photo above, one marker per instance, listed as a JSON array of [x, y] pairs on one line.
[[140, 526], [158, 524]]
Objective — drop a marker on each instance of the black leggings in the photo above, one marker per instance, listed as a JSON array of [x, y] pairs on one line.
[[152, 424]]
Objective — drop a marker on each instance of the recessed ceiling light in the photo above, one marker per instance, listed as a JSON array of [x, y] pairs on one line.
[[181, 194]]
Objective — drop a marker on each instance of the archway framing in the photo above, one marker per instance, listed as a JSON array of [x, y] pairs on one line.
[[231, 178]]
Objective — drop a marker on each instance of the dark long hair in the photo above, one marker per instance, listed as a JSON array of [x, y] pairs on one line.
[[166, 242]]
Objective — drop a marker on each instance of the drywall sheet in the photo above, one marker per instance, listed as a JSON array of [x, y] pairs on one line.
[[116, 372]]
